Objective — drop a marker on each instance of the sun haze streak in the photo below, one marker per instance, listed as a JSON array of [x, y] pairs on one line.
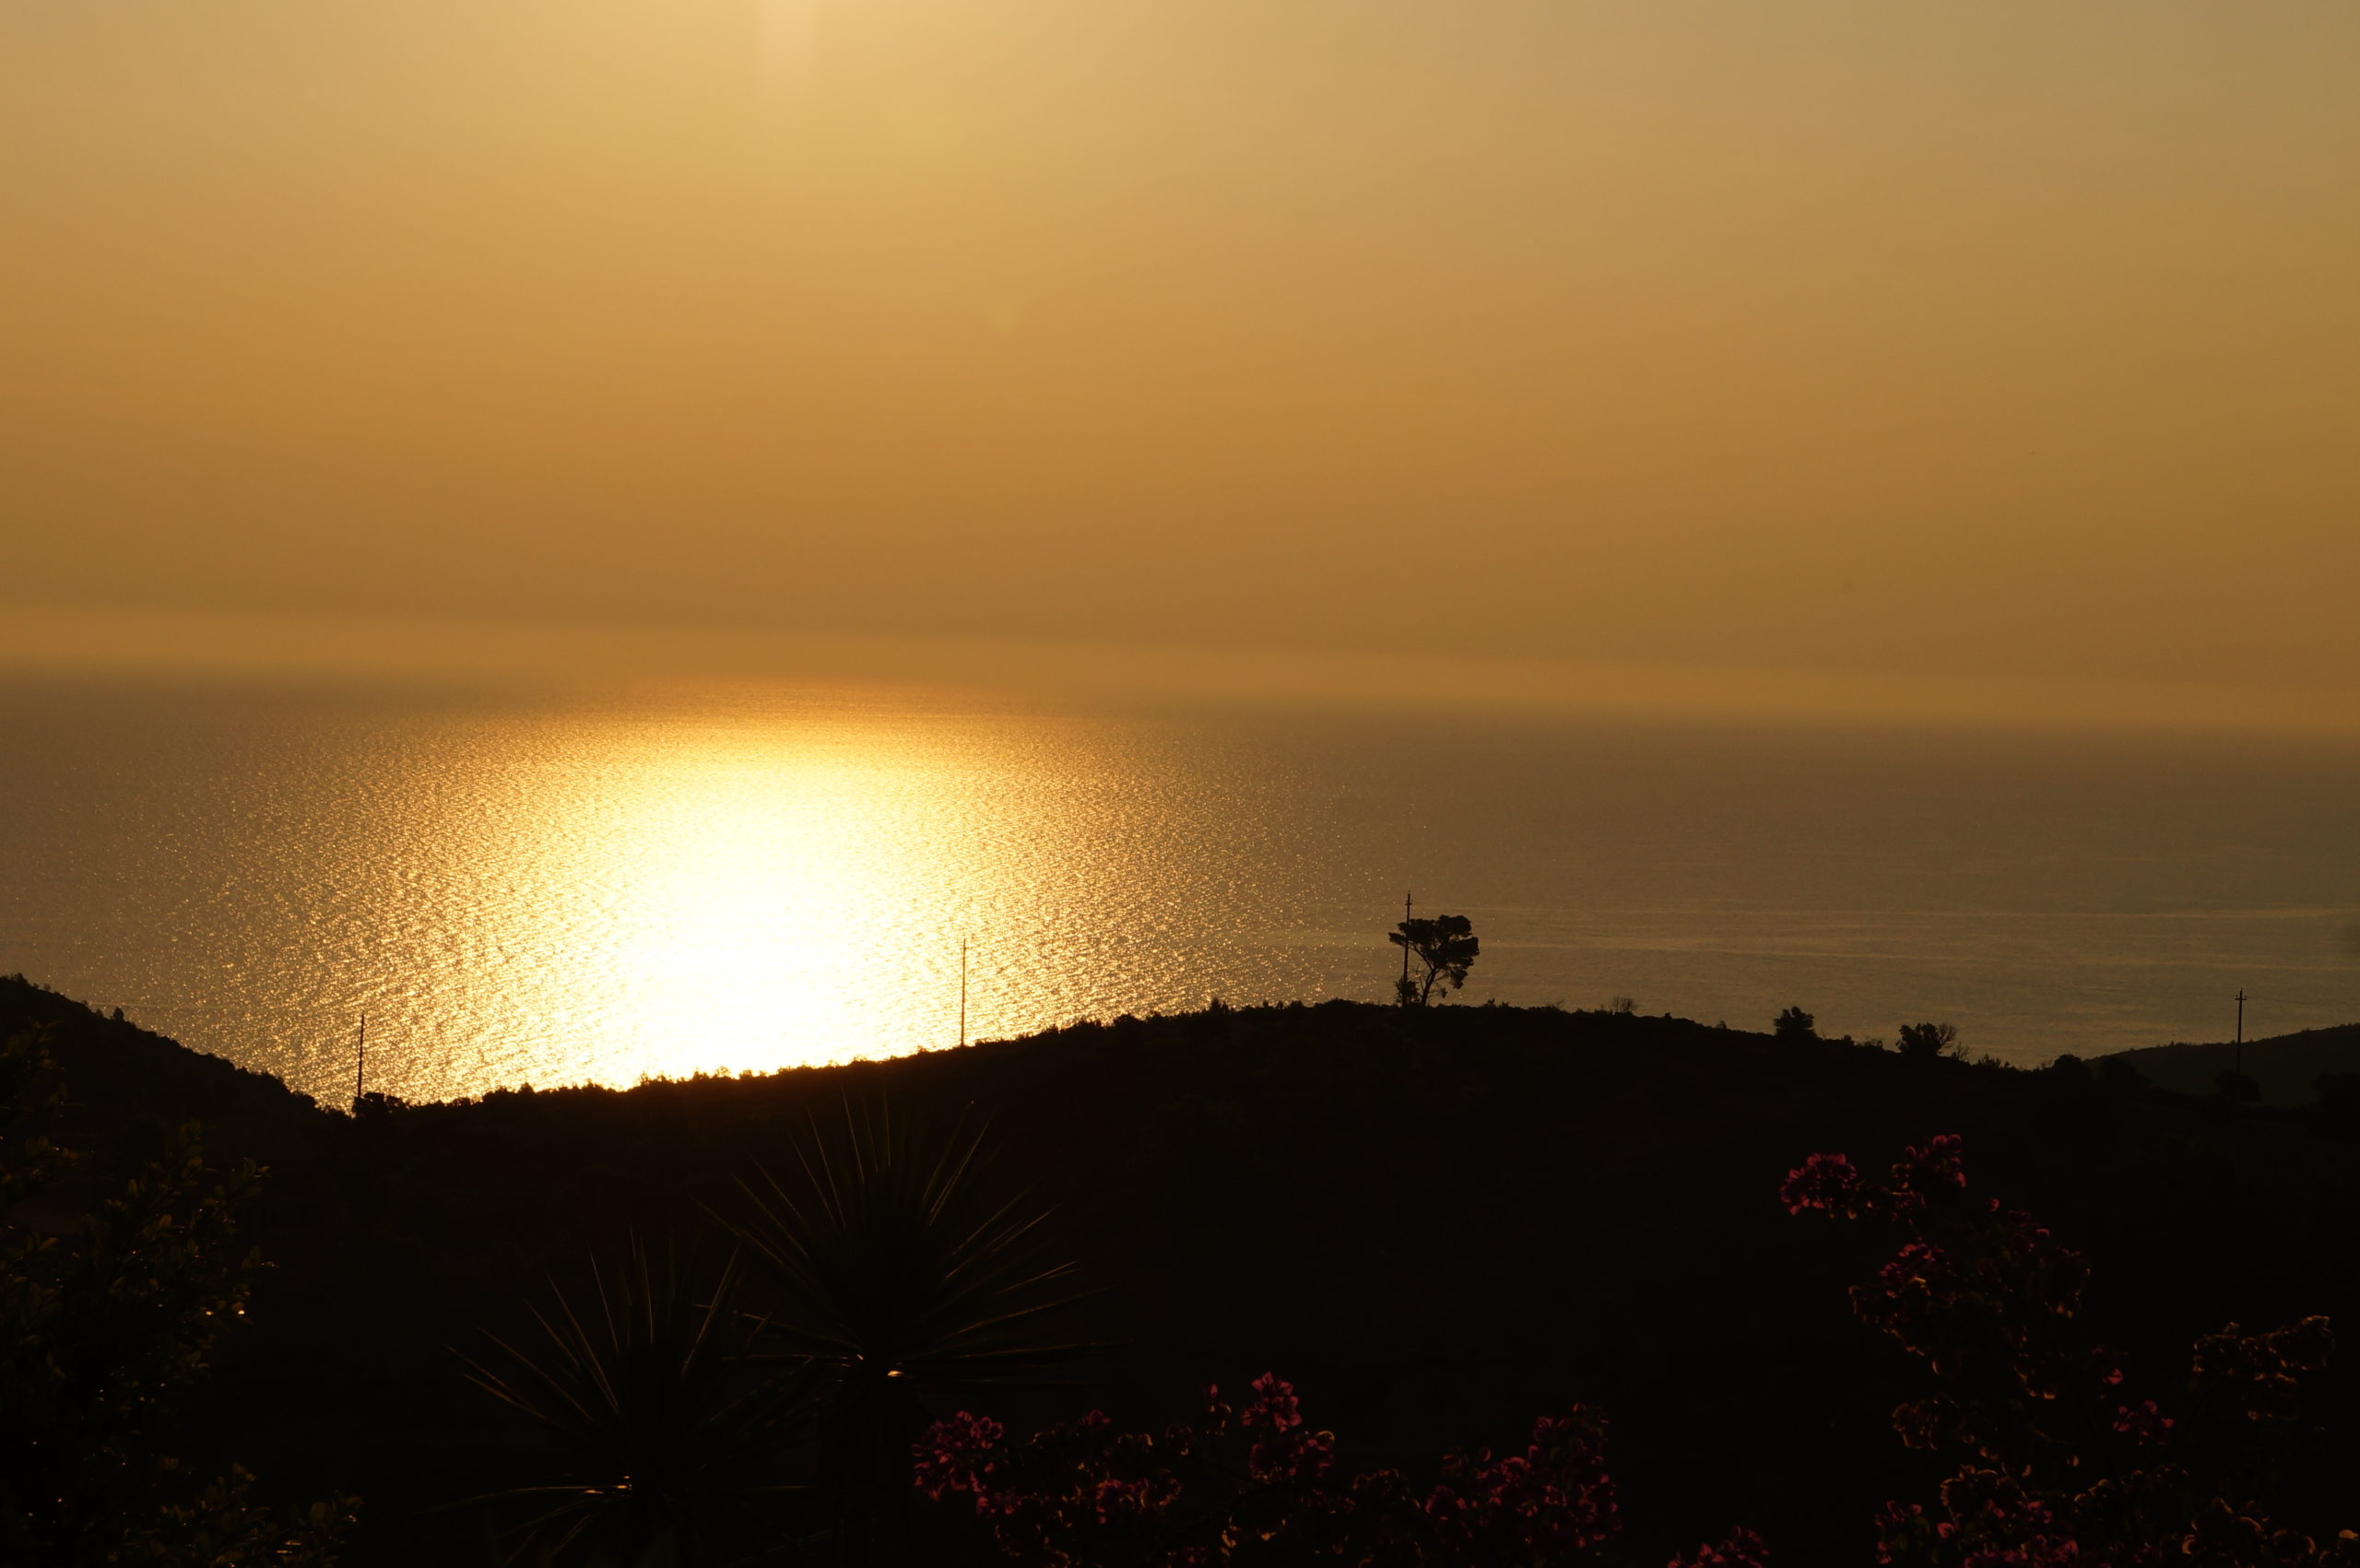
[[788, 41]]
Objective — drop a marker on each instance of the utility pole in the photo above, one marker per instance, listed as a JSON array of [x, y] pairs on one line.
[[1405, 943], [962, 990], [2240, 1067], [361, 1068]]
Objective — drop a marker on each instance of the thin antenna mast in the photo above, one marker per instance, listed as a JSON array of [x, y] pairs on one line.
[[2240, 1069], [1405, 943]]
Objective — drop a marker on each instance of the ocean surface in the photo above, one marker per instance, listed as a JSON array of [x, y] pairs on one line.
[[552, 890]]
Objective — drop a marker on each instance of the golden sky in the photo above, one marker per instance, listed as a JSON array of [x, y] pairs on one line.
[[1989, 339]]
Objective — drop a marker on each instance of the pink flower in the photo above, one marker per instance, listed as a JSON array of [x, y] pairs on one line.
[[956, 1455], [1553, 1499], [1940, 1159], [1306, 1456], [2146, 1424], [1820, 1182], [1274, 1405]]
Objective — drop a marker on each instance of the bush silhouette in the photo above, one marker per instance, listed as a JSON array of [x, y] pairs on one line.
[[1927, 1041]]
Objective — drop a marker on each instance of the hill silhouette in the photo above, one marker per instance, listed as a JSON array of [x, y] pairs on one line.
[[2285, 1066], [1438, 1222], [124, 1084]]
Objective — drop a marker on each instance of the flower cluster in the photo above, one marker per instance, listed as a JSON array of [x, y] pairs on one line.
[[1551, 1501], [956, 1456], [2059, 1469], [1287, 1451], [2143, 1423], [1826, 1181], [1743, 1549], [1047, 1497], [1191, 1497], [1968, 1280], [2260, 1371]]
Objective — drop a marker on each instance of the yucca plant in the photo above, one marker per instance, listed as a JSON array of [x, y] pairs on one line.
[[896, 1285], [669, 1433]]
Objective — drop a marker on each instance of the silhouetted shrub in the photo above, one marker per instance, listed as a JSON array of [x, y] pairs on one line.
[[1795, 1024], [1927, 1041]]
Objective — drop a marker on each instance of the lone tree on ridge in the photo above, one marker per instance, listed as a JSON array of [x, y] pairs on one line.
[[1445, 945], [1928, 1042]]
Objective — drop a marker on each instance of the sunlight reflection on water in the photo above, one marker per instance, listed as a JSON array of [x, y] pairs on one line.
[[727, 878]]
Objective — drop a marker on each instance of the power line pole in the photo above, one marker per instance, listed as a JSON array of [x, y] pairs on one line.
[[962, 990], [361, 1068], [1405, 943], [2240, 1058]]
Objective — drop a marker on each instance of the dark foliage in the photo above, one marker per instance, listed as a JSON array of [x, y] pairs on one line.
[[108, 1319], [666, 1433], [2059, 1461]]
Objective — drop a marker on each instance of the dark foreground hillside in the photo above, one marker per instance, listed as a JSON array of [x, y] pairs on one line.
[[1437, 1223]]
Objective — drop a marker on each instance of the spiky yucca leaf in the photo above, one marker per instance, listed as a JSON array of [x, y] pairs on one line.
[[892, 1264], [664, 1428], [897, 1281]]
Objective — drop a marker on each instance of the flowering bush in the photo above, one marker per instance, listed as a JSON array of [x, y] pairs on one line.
[[2059, 1466], [1743, 1549], [1193, 1496]]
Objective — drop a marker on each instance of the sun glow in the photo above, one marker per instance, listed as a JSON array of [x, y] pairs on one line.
[[666, 894], [747, 879]]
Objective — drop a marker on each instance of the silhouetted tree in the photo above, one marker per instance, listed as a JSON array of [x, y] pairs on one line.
[[1445, 947], [1927, 1041], [103, 1332], [1795, 1024]]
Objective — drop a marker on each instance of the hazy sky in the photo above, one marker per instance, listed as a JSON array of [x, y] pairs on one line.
[[1993, 337]]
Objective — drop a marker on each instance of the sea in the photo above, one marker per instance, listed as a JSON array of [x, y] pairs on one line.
[[547, 886]]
